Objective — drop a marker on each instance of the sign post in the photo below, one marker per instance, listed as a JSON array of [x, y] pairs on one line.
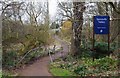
[[101, 27]]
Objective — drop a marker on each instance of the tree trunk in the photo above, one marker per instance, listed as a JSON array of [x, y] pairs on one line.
[[77, 26]]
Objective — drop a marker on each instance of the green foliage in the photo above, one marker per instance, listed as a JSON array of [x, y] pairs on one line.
[[12, 28], [39, 33], [113, 44], [87, 67], [33, 56], [60, 72], [100, 62], [9, 59], [54, 25], [98, 66], [107, 63], [101, 50], [85, 52], [81, 70], [102, 46], [0, 73], [65, 66], [21, 39]]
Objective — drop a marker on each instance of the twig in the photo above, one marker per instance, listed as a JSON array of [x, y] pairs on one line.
[[26, 55]]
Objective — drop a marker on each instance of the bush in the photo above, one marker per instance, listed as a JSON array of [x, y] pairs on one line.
[[9, 59], [87, 67], [81, 70], [101, 47], [107, 63], [33, 56], [86, 53], [101, 50], [103, 64]]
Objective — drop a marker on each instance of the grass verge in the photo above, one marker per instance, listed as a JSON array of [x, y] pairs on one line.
[[60, 72], [0, 74]]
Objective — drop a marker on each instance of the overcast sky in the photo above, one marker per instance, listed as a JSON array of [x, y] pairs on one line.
[[52, 7]]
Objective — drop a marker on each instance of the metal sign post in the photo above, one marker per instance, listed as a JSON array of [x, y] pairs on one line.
[[101, 27]]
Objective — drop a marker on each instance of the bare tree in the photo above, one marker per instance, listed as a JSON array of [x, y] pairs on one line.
[[12, 13], [45, 13], [13, 10], [115, 13], [33, 12], [65, 10]]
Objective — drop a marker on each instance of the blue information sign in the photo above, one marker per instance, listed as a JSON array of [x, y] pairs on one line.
[[101, 24]]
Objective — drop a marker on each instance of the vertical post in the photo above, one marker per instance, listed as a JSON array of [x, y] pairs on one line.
[[93, 38], [108, 28], [50, 55], [109, 38], [109, 35]]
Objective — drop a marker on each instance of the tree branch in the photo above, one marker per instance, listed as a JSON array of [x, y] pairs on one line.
[[115, 8]]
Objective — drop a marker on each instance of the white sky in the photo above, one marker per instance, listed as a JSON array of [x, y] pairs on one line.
[[52, 8]]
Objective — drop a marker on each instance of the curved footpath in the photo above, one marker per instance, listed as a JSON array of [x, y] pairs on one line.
[[40, 67]]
